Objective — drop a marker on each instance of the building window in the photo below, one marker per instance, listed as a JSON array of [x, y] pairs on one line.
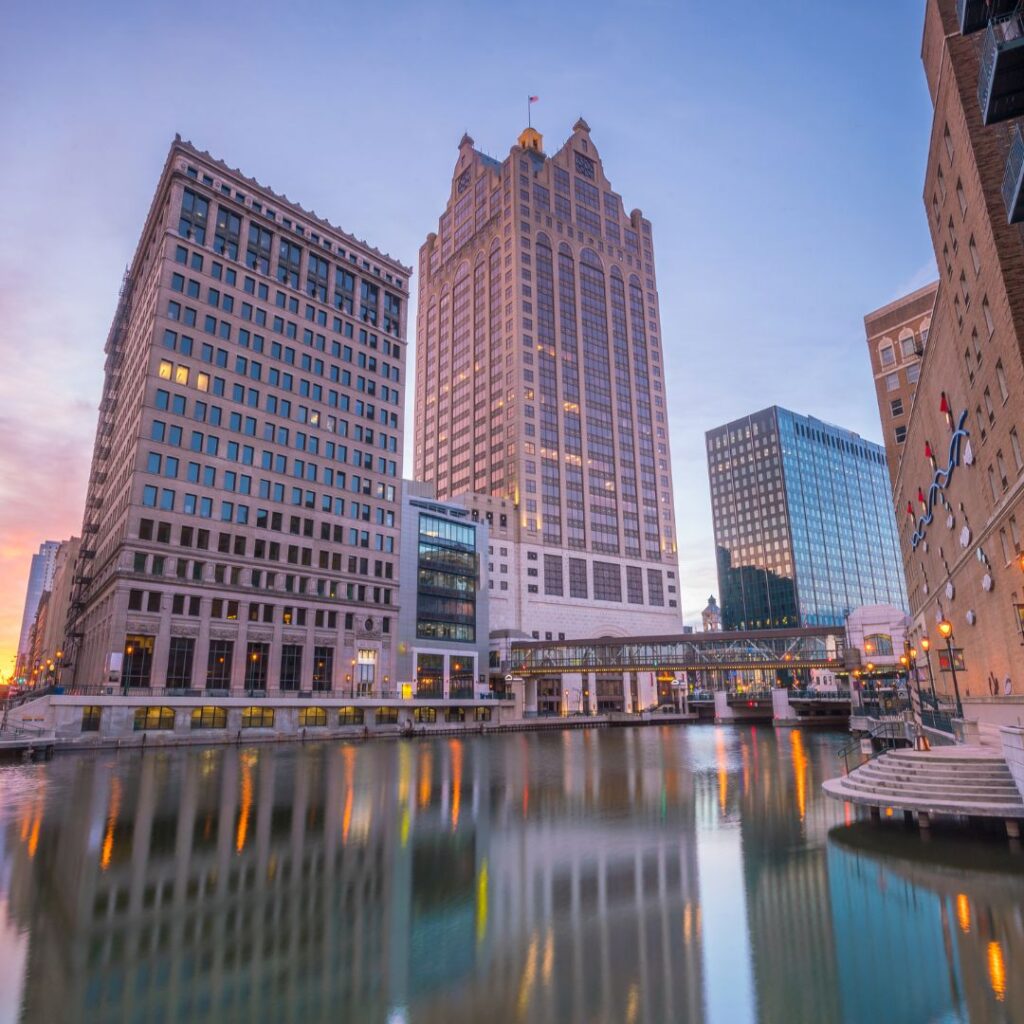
[[313, 718], [257, 253], [426, 715], [481, 714], [138, 660], [655, 591], [1004, 391], [553, 585], [888, 355], [961, 196], [634, 584], [291, 666], [892, 382], [578, 578], [607, 581], [896, 407], [986, 310], [289, 259], [1018, 454], [878, 643], [153, 718], [323, 668], [91, 717], [218, 665], [195, 210], [229, 227], [257, 718], [913, 374], [257, 657], [908, 347], [429, 675], [447, 576], [209, 718], [385, 716], [900, 434], [179, 661], [354, 716]]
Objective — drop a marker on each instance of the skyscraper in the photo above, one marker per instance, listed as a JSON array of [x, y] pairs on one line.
[[242, 516], [804, 531], [539, 379], [40, 579]]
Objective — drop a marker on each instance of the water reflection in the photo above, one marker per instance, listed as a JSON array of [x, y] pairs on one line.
[[643, 875]]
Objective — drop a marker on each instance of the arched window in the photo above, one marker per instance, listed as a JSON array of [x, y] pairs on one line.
[[878, 644]]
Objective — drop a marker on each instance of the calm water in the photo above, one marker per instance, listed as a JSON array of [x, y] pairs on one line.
[[654, 875]]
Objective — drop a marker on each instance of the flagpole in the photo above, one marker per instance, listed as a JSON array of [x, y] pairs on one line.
[[529, 112]]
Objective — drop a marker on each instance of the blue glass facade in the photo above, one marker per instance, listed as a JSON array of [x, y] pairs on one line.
[[804, 528]]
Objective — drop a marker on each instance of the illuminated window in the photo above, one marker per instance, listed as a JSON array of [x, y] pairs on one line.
[[312, 718], [165, 369], [209, 718], [354, 716], [153, 718], [257, 718]]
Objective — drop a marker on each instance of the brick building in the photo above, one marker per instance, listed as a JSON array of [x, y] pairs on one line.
[[959, 488], [897, 335]]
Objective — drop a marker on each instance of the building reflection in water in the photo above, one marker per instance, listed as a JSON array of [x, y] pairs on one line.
[[644, 875]]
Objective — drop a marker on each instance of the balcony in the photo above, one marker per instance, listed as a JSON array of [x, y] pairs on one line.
[[972, 15], [1001, 78], [1013, 179]]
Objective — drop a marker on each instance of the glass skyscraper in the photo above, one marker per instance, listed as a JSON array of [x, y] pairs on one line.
[[804, 528]]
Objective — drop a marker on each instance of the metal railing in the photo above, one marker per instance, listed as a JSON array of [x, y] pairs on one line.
[[1012, 174], [1000, 30]]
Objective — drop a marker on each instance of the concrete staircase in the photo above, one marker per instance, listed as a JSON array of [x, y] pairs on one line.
[[956, 781]]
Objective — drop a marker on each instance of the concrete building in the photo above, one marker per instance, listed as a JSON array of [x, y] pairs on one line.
[[804, 531], [40, 579], [60, 599], [243, 510], [442, 623], [896, 336], [959, 490], [540, 383]]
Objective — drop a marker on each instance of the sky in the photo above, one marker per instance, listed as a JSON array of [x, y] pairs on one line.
[[778, 149]]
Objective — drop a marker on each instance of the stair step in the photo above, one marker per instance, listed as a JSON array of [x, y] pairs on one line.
[[882, 793]]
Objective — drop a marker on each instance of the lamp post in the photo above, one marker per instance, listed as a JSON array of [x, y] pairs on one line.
[[128, 652], [945, 628], [251, 687], [909, 661], [926, 646]]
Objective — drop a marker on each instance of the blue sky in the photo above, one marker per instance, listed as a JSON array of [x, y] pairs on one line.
[[778, 149]]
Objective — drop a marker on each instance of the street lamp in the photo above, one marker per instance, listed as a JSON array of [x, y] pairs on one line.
[[945, 628], [926, 646]]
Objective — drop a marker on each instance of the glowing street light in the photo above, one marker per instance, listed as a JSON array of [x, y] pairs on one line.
[[945, 628]]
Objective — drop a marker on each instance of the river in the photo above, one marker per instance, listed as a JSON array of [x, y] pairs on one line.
[[607, 875]]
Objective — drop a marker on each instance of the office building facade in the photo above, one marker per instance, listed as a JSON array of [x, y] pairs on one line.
[[243, 509], [40, 579], [540, 381], [443, 621], [804, 531], [959, 493]]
